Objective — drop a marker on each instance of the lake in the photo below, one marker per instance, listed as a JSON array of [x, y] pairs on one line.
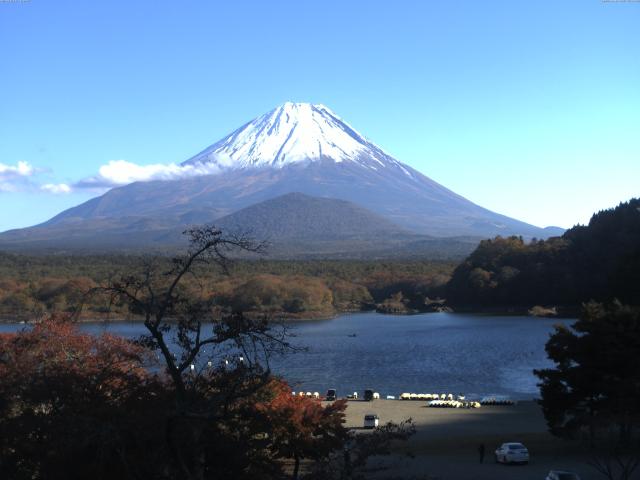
[[426, 353]]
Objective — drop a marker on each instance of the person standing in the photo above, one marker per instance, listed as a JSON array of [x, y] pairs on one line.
[[481, 452]]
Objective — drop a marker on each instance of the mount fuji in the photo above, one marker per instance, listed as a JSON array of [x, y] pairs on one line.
[[295, 148], [291, 134]]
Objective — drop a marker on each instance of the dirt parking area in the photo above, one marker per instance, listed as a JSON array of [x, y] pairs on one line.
[[446, 443]]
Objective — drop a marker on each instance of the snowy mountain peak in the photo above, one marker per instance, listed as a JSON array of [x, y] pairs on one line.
[[293, 133]]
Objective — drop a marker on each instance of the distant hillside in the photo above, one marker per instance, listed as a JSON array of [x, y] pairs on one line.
[[302, 226], [295, 225], [298, 216], [600, 261], [102, 234]]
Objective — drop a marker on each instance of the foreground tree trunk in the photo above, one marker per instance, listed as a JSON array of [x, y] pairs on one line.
[[296, 467], [169, 308]]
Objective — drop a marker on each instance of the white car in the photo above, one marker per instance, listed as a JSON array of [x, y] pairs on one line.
[[561, 475], [512, 452], [371, 421]]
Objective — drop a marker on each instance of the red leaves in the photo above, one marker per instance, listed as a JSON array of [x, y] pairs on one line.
[[54, 358], [302, 427], [68, 398]]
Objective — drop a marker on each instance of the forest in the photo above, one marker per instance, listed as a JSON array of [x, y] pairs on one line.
[[32, 286], [599, 261]]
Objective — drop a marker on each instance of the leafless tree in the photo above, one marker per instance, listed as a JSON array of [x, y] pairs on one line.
[[616, 465], [212, 357]]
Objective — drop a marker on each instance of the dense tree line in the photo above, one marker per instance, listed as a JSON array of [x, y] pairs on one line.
[[38, 285], [600, 261], [30, 267]]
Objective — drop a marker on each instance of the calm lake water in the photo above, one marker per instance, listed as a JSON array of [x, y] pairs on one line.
[[433, 352]]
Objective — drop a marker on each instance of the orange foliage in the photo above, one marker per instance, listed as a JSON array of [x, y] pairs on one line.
[[302, 427], [69, 398], [55, 348]]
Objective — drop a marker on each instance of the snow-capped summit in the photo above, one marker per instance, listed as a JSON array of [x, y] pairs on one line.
[[293, 133]]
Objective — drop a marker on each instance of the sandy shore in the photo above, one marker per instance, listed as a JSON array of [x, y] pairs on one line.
[[446, 442]]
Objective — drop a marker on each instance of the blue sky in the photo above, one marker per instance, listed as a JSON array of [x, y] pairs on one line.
[[531, 109]]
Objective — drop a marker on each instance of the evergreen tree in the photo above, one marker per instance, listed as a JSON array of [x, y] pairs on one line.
[[595, 386]]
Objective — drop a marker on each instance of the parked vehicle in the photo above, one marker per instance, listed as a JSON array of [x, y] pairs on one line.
[[331, 395], [512, 452], [371, 420], [561, 475], [368, 395]]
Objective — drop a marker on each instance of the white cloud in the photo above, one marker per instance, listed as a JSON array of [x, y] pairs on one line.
[[56, 188], [23, 169], [122, 172], [15, 178]]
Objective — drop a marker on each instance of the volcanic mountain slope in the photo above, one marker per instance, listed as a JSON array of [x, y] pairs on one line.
[[293, 225], [302, 217], [297, 147]]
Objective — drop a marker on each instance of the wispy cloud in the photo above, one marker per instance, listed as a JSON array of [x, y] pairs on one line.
[[56, 188], [122, 172], [22, 177]]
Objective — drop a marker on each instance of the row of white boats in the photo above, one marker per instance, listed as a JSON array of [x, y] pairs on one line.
[[457, 401], [430, 396], [436, 400], [453, 404]]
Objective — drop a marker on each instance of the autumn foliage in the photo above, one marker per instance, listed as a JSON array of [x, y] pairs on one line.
[[301, 427], [66, 399], [80, 406], [35, 286]]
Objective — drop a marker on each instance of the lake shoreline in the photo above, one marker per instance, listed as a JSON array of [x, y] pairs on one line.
[[563, 313], [18, 320]]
